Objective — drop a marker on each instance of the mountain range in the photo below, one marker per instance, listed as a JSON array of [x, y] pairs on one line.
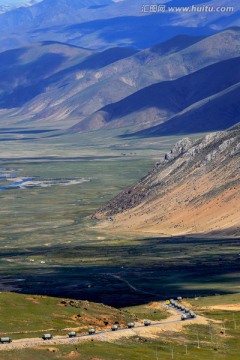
[[100, 24], [189, 97], [9, 5], [57, 80], [76, 89], [194, 188]]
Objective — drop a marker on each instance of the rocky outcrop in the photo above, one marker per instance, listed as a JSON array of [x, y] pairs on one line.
[[179, 148]]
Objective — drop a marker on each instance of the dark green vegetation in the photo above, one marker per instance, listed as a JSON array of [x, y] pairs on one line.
[[155, 268]]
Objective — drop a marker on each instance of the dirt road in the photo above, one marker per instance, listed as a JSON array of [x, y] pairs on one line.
[[173, 323]]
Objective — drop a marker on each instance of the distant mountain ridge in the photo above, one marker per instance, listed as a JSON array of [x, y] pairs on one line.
[[9, 5], [160, 102], [214, 113], [96, 23], [194, 188], [84, 90]]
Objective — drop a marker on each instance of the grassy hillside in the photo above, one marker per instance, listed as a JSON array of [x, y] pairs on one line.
[[30, 315], [219, 339]]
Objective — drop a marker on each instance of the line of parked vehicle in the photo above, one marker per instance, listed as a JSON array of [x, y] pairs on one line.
[[186, 313], [73, 334], [175, 304]]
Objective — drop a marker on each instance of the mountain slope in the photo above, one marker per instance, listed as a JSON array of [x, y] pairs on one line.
[[194, 189], [167, 61], [217, 112], [24, 70], [159, 102], [60, 93], [179, 56], [29, 71]]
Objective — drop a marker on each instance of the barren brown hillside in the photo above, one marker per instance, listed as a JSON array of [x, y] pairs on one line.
[[195, 188]]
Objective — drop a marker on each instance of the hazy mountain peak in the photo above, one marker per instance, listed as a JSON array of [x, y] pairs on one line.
[[8, 5]]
